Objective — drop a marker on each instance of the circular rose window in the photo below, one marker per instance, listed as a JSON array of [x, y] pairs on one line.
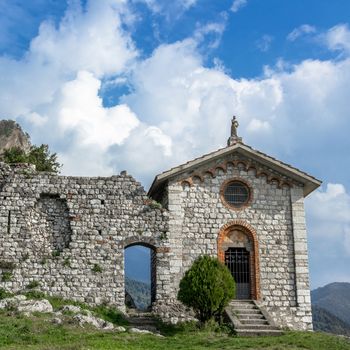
[[236, 194]]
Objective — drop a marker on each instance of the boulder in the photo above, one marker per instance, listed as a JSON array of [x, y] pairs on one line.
[[120, 329], [12, 302], [71, 308], [93, 321], [30, 306], [140, 331], [56, 320]]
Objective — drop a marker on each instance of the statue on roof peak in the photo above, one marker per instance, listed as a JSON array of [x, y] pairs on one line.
[[234, 137]]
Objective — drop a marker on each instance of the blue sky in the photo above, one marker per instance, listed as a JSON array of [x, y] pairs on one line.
[[112, 84]]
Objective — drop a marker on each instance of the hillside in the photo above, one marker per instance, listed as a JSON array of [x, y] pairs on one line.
[[334, 298], [140, 293], [12, 135], [326, 322]]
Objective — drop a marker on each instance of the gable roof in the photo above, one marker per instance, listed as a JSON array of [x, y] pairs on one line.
[[310, 183]]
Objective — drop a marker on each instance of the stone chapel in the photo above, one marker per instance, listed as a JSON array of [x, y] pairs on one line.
[[69, 234]]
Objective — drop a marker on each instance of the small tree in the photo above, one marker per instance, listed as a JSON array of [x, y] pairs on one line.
[[40, 156], [207, 287]]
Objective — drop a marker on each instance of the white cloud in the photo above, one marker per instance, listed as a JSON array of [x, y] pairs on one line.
[[338, 38], [332, 200], [80, 109], [301, 30], [83, 41], [264, 43], [328, 219], [214, 29], [238, 4], [56, 84], [256, 125], [329, 211], [169, 9]]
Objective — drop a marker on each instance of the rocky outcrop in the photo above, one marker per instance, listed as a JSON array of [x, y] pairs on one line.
[[12, 135], [93, 321], [21, 304]]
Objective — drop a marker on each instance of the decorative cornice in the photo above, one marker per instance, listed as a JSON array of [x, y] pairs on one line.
[[260, 171]]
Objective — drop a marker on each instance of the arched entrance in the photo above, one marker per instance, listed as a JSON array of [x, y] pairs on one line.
[[238, 250], [140, 275]]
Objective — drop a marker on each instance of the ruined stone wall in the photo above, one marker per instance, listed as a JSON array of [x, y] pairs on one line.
[[197, 214], [68, 234]]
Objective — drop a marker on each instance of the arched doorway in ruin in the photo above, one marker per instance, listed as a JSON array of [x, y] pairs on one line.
[[140, 275], [238, 250]]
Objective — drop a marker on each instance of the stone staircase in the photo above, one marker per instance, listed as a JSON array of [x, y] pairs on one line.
[[142, 320], [249, 319]]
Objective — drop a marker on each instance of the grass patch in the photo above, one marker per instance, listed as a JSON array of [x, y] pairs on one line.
[[105, 312], [37, 333], [6, 276], [5, 294]]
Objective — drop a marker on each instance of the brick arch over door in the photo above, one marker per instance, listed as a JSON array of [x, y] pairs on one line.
[[248, 230]]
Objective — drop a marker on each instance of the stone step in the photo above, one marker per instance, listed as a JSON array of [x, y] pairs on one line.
[[251, 316], [243, 306], [261, 332], [247, 311], [245, 302], [255, 326], [253, 321]]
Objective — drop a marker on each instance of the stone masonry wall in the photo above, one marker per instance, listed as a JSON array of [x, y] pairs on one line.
[[69, 233], [198, 213]]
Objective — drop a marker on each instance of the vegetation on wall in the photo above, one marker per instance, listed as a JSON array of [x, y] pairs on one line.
[[207, 287], [40, 156]]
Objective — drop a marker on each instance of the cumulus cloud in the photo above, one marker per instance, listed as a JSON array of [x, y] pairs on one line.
[[212, 30], [238, 4], [338, 38], [264, 43], [333, 200], [83, 41], [169, 9], [56, 84], [328, 214], [300, 31]]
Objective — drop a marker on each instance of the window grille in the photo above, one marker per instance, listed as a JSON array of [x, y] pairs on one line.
[[236, 194]]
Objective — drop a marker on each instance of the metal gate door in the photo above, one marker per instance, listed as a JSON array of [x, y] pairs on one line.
[[237, 260]]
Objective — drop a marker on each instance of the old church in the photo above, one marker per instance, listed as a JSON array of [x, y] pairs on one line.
[[69, 234]]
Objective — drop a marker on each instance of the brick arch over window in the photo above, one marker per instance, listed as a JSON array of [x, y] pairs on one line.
[[250, 232]]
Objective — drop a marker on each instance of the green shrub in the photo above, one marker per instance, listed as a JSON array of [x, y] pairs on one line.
[[55, 253], [33, 284], [66, 262], [207, 287], [38, 155], [4, 294], [155, 205], [35, 294], [6, 276], [96, 268]]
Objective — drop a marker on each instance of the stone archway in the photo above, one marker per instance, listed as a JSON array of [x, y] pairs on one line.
[[239, 236], [152, 262]]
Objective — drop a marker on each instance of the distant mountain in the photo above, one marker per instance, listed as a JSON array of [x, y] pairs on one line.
[[140, 293], [334, 298], [326, 322], [331, 308], [12, 135]]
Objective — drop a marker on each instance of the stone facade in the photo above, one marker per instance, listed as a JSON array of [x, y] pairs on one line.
[[200, 215], [69, 233]]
